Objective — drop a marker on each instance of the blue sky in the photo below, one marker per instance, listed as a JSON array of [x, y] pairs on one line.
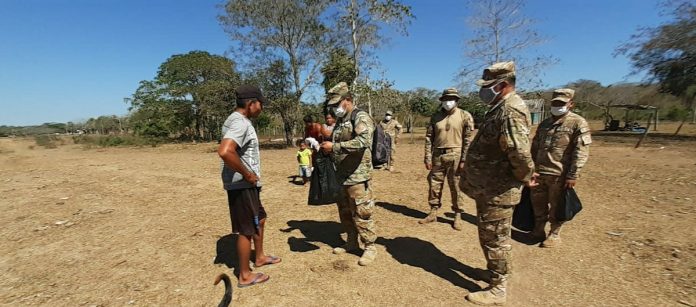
[[68, 60]]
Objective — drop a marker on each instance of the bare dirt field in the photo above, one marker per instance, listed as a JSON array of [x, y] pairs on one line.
[[150, 226]]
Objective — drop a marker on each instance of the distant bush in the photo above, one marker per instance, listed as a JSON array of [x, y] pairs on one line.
[[115, 140], [677, 113], [46, 141]]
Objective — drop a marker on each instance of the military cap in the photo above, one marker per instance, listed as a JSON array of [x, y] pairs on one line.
[[496, 72], [450, 92], [389, 112], [250, 91], [563, 94], [337, 93]]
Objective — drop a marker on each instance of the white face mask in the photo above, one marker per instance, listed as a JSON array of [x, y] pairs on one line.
[[388, 118], [340, 111], [558, 111], [449, 104]]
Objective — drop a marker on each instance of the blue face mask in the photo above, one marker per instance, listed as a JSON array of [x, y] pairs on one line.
[[488, 94]]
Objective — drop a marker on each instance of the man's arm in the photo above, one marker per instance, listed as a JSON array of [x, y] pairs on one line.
[[364, 128], [514, 141], [228, 152], [428, 160], [581, 151], [398, 130], [467, 134]]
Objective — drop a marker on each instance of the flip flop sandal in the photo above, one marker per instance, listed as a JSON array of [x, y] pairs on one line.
[[257, 280], [272, 260]]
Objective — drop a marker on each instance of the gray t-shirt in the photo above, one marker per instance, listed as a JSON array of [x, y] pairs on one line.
[[238, 128]]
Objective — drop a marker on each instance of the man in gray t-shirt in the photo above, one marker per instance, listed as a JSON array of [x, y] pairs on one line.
[[241, 177]]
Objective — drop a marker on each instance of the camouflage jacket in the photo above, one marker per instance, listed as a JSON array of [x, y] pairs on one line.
[[352, 148], [392, 127], [562, 147], [499, 160], [458, 136]]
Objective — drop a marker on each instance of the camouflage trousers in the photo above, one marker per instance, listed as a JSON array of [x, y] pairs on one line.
[[392, 154], [494, 229], [445, 163], [355, 207], [545, 200]]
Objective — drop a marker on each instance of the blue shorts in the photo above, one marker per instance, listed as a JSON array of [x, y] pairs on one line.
[[305, 171]]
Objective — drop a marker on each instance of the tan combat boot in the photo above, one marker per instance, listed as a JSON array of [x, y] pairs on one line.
[[351, 245], [432, 216], [552, 241], [458, 223], [493, 295], [368, 255]]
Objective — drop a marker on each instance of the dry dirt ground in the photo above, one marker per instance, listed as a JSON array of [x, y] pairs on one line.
[[150, 226]]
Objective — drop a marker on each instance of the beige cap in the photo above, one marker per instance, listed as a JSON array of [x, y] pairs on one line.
[[450, 92], [336, 93], [563, 94], [496, 72]]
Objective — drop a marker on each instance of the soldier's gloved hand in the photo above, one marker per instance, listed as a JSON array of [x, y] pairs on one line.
[[428, 166], [570, 183]]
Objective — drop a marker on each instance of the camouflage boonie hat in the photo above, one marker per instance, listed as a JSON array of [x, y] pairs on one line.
[[450, 92], [336, 93], [563, 94], [496, 72], [389, 112]]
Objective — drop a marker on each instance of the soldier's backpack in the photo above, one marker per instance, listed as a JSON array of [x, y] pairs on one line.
[[381, 142]]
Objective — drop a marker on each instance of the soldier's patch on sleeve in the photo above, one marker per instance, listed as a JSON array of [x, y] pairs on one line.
[[584, 130], [360, 127], [586, 139]]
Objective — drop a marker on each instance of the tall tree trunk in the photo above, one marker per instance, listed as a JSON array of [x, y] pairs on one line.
[[354, 38]]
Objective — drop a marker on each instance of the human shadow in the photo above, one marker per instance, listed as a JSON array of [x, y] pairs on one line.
[[226, 252], [418, 253], [325, 232], [417, 214], [293, 180], [471, 219], [524, 237]]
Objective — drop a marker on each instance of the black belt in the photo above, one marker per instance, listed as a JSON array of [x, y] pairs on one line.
[[447, 150]]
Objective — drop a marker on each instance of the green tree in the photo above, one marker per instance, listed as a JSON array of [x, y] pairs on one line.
[[339, 68], [207, 81], [365, 19], [668, 52], [190, 97], [289, 31]]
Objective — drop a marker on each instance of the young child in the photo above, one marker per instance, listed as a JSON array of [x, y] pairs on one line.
[[304, 158]]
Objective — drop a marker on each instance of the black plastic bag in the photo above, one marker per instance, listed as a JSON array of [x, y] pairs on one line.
[[323, 187], [523, 216], [570, 206]]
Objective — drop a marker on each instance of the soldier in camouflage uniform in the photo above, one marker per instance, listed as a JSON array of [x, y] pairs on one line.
[[351, 146], [497, 165], [393, 128], [447, 140], [560, 149]]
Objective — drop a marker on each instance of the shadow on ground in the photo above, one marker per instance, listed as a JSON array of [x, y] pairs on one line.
[[417, 214], [226, 253], [422, 254], [325, 232]]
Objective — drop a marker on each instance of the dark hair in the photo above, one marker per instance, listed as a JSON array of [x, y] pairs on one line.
[[308, 119], [242, 103], [511, 80]]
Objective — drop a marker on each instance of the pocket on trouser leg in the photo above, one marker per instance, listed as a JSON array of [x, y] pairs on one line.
[[366, 230]]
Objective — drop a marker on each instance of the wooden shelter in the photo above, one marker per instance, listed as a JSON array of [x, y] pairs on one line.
[[536, 109], [630, 122]]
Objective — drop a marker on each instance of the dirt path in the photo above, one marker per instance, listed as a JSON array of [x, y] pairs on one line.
[[149, 226]]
